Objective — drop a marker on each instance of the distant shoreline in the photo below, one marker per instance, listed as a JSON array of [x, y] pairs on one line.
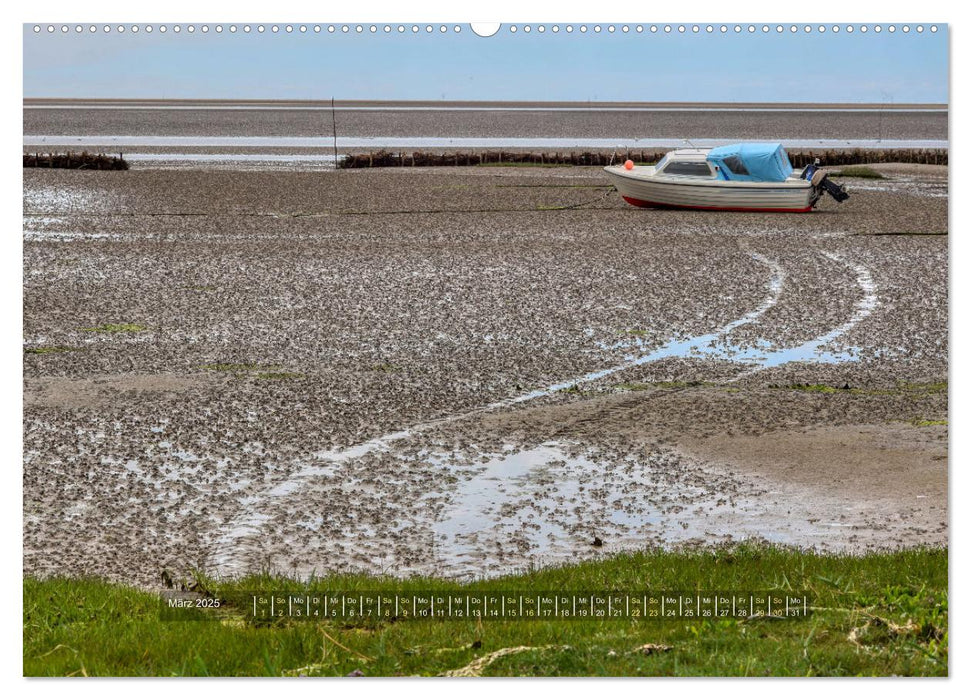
[[75, 103]]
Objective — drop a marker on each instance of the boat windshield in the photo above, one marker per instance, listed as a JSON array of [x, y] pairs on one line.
[[661, 163]]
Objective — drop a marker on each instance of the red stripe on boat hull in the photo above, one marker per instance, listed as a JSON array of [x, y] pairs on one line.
[[660, 205]]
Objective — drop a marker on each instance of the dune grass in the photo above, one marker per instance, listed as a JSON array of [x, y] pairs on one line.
[[878, 614]]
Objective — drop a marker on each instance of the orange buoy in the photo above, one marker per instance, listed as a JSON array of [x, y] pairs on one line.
[[628, 165]]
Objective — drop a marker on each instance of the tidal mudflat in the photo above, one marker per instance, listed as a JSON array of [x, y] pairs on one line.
[[468, 371], [449, 119]]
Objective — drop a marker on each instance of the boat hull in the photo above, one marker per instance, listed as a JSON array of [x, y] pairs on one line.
[[659, 205], [795, 196]]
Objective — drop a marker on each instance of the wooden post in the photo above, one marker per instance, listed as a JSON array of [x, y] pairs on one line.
[[333, 117]]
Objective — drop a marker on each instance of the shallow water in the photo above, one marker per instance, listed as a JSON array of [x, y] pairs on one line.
[[551, 500], [546, 504], [547, 477], [378, 142], [255, 161]]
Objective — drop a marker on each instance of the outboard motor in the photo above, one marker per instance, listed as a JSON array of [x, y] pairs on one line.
[[821, 181], [837, 192]]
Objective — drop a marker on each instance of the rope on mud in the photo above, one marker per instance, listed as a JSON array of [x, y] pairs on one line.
[[581, 204], [310, 215]]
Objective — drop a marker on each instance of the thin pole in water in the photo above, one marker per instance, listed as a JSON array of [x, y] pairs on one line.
[[333, 116]]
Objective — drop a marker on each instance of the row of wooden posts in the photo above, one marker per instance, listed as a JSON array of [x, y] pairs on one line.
[[387, 159], [799, 158], [75, 161]]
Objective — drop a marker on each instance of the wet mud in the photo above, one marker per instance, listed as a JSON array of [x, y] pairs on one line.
[[467, 373]]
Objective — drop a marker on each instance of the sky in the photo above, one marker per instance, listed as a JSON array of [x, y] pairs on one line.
[[733, 67]]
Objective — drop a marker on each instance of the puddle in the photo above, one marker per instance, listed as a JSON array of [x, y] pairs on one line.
[[549, 503], [537, 483]]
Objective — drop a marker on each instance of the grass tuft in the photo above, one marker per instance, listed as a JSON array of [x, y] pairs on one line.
[[925, 422]]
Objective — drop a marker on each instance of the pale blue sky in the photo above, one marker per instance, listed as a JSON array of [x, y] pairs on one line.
[[732, 67]]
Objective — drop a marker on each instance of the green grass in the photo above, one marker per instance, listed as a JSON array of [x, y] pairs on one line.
[[931, 388], [861, 171], [877, 614], [116, 328], [48, 350], [926, 422]]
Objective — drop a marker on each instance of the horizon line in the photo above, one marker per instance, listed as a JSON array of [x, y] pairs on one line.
[[40, 101]]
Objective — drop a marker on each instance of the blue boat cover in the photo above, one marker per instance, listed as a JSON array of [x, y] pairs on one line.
[[753, 162]]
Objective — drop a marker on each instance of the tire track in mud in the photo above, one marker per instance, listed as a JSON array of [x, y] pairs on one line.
[[246, 527], [249, 525], [813, 350]]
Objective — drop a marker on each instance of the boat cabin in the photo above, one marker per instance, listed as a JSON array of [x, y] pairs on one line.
[[740, 162]]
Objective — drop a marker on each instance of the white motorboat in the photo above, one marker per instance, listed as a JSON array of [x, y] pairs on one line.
[[739, 177]]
